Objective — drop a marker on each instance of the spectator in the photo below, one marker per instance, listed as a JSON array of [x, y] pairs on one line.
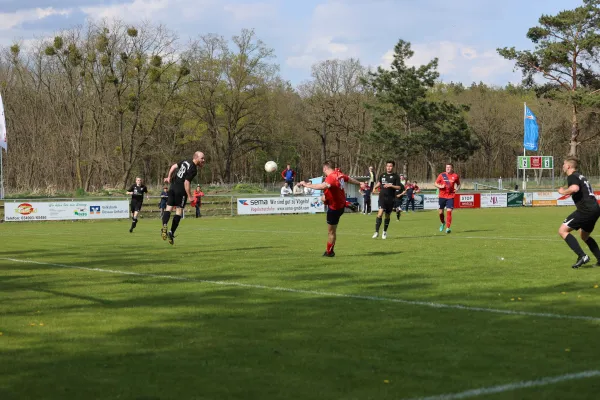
[[372, 178], [285, 190], [163, 200], [365, 190], [411, 189], [197, 202], [288, 175], [298, 190]]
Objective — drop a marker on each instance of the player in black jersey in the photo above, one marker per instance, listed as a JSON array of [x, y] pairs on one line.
[[389, 183], [180, 175], [137, 192], [584, 218]]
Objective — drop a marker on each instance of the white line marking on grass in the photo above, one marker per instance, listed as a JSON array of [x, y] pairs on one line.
[[512, 386], [318, 293], [351, 233]]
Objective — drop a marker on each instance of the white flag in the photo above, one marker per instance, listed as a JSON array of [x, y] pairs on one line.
[[2, 126]]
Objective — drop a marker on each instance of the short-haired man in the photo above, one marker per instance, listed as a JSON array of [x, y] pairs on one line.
[[584, 217], [180, 176], [389, 183], [448, 182], [137, 192], [335, 199]]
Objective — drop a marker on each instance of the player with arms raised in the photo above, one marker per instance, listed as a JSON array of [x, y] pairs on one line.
[[335, 199], [180, 175], [584, 217], [448, 182]]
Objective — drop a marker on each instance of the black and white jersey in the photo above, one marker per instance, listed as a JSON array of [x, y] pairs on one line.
[[393, 179], [584, 199], [138, 192], [186, 171]]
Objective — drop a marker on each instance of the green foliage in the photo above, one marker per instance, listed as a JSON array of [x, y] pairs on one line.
[[102, 42], [58, 42], [132, 32], [50, 51], [74, 55], [80, 192], [247, 188], [15, 49], [156, 61]]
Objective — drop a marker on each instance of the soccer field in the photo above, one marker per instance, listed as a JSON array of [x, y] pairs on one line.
[[247, 308]]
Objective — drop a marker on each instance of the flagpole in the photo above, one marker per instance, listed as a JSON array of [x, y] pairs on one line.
[[524, 119]]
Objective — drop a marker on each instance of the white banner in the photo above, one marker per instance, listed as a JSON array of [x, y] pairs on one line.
[[2, 126], [65, 210], [492, 200], [279, 205], [431, 202]]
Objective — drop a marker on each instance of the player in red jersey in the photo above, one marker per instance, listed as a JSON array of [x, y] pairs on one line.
[[448, 182], [335, 199]]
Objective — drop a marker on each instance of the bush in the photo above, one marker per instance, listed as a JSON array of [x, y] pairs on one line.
[[247, 188]]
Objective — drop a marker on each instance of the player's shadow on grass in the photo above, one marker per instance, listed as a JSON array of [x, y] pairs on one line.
[[383, 253], [475, 230]]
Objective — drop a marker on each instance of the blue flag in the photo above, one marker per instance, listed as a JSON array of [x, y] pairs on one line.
[[530, 141]]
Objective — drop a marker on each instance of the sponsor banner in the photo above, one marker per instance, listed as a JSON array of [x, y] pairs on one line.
[[419, 202], [472, 200], [515, 199], [492, 200], [65, 210], [279, 205], [542, 199], [430, 202]]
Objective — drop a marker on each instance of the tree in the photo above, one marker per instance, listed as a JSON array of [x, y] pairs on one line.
[[405, 118], [566, 55]]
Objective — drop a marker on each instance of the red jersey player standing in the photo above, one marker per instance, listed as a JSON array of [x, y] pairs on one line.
[[448, 182], [335, 199]]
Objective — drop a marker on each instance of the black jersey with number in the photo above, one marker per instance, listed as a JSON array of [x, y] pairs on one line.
[[385, 179], [138, 192], [584, 199], [186, 171]]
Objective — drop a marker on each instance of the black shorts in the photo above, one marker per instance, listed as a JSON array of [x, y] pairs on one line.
[[398, 202], [333, 216], [446, 203], [177, 198], [385, 204], [136, 205], [578, 220]]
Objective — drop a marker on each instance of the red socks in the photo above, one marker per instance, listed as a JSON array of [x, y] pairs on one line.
[[329, 247], [449, 218]]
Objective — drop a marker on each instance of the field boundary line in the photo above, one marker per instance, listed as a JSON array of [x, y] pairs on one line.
[[512, 386], [316, 292]]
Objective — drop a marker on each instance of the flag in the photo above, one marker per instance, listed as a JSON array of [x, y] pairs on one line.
[[530, 141]]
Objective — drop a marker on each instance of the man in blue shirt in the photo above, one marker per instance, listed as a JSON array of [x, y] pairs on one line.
[[288, 175]]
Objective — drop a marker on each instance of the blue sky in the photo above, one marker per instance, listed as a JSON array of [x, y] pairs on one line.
[[463, 34]]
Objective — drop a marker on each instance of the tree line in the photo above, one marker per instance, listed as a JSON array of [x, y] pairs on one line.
[[100, 104]]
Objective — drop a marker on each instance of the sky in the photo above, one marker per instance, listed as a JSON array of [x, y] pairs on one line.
[[463, 34]]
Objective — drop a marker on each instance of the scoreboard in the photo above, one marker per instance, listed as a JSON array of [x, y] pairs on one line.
[[535, 162]]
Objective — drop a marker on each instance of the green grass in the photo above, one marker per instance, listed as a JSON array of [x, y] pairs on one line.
[[220, 324]]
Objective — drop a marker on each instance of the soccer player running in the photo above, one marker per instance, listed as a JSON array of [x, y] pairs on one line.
[[335, 199], [137, 198], [448, 182], [389, 182], [180, 175], [584, 217]]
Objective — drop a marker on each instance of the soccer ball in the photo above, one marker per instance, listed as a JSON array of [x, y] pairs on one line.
[[270, 166]]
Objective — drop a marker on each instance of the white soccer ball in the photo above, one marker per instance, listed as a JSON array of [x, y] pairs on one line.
[[270, 166]]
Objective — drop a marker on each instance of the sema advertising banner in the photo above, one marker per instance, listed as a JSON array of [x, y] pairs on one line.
[[65, 210], [279, 205], [493, 200]]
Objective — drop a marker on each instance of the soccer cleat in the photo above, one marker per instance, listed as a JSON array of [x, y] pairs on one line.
[[442, 227], [171, 237], [326, 254], [384, 235], [130, 230], [584, 259], [375, 235], [448, 230], [163, 232]]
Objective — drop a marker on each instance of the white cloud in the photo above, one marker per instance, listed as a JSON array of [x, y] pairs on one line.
[[136, 10], [459, 62], [9, 21]]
